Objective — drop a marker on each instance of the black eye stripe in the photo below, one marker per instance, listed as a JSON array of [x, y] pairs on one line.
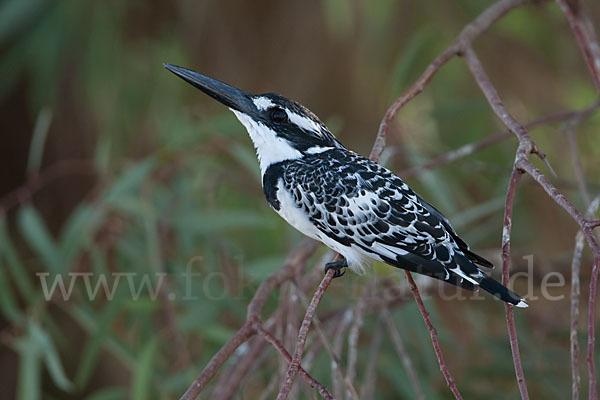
[[278, 115]]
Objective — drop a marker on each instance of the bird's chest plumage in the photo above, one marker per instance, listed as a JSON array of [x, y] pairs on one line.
[[282, 201], [307, 196], [294, 215], [300, 218], [355, 207]]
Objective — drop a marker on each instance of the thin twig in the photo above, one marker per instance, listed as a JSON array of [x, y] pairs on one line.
[[215, 363], [509, 310], [351, 391], [461, 46], [223, 389], [302, 334], [577, 252], [401, 350], [337, 373], [593, 392], [469, 33], [267, 393], [522, 163], [497, 137], [297, 258], [434, 339], [527, 146], [290, 331], [562, 201], [368, 388], [587, 230], [496, 104], [585, 35], [277, 344], [357, 322], [575, 292], [579, 176]]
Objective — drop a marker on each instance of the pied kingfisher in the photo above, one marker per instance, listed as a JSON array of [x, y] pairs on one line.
[[351, 204]]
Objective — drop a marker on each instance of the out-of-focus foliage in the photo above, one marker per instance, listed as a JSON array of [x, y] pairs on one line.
[[149, 179]]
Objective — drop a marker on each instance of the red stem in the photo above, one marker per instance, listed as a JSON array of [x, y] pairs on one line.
[[575, 293], [286, 387], [585, 36], [281, 349], [593, 392], [296, 259], [510, 318], [434, 339], [217, 361]]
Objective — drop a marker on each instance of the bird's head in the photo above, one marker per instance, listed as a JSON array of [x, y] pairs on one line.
[[280, 128]]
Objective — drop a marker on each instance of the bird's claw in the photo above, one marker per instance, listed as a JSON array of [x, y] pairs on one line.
[[338, 266]]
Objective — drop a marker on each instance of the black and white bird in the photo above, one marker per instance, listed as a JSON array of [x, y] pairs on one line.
[[351, 204]]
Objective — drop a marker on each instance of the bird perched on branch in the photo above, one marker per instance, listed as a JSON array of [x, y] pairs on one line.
[[351, 204]]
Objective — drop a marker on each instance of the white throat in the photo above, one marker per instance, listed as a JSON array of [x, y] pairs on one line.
[[269, 147]]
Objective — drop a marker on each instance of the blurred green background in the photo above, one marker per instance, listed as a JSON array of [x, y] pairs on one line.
[[113, 165]]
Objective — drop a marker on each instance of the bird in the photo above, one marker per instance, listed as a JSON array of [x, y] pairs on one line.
[[353, 205]]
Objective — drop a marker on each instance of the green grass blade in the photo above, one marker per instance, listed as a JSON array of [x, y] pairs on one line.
[[142, 379]]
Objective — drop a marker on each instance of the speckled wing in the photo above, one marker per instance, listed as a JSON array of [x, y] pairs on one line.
[[360, 204]]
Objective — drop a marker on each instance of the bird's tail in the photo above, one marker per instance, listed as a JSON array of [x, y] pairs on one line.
[[503, 293]]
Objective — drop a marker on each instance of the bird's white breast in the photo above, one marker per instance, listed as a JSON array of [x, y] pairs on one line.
[[297, 217], [294, 215]]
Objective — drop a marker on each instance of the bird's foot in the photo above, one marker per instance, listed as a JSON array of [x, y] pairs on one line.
[[338, 266]]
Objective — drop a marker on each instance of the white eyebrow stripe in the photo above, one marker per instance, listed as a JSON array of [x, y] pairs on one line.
[[262, 103], [304, 123]]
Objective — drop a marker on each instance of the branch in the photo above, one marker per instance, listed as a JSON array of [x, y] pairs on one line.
[[297, 258], [510, 318], [370, 380], [579, 176], [302, 334], [471, 148], [587, 230], [337, 373], [277, 344], [522, 163], [215, 363], [358, 320], [585, 35], [526, 144], [434, 338], [224, 390], [461, 46], [469, 33], [401, 350], [593, 392], [335, 359], [575, 292], [562, 201]]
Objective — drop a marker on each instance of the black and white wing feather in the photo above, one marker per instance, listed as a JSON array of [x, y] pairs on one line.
[[361, 205], [359, 208]]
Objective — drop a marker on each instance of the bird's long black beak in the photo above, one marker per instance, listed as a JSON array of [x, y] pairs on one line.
[[228, 95]]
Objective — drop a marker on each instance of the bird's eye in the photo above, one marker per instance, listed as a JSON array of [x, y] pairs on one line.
[[278, 115]]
